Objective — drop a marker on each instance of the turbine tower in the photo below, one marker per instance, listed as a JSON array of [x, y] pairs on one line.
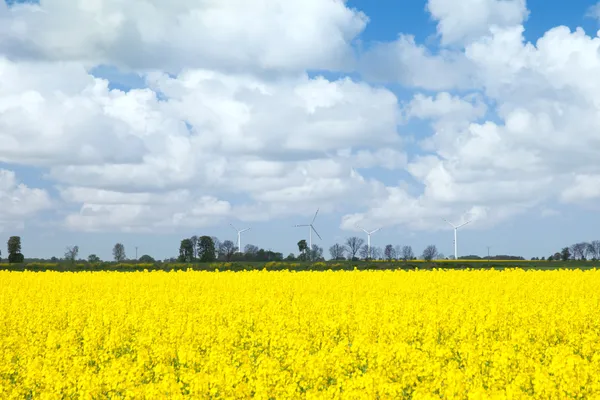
[[311, 228], [455, 229], [368, 238], [239, 234]]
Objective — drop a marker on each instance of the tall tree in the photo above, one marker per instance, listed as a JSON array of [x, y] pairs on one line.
[[14, 250], [389, 252], [363, 252], [194, 240], [354, 244], [250, 252], [227, 249], [119, 252], [578, 250], [337, 251], [71, 253], [316, 253], [407, 253], [376, 253], [186, 251], [206, 249], [594, 249], [429, 253], [93, 258], [565, 254], [302, 247], [217, 243]]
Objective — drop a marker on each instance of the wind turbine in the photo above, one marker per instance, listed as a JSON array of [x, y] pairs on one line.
[[455, 229], [239, 234], [311, 228], [368, 238]]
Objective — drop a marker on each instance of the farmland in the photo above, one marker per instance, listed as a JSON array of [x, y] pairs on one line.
[[282, 334]]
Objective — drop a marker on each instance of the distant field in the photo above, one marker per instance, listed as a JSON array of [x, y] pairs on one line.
[[303, 266], [361, 334]]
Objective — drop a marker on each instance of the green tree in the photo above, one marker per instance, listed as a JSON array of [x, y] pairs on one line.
[[119, 252], [302, 247], [146, 259], [186, 251], [565, 254], [71, 253], [14, 250], [206, 249], [93, 258]]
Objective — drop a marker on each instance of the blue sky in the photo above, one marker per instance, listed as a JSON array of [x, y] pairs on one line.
[[224, 140]]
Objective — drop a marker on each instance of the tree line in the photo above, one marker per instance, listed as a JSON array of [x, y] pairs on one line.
[[209, 248]]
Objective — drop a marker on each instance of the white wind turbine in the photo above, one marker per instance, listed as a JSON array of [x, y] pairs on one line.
[[311, 228], [455, 229], [368, 238], [239, 235]]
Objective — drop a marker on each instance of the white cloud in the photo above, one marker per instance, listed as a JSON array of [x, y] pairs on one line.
[[414, 65], [582, 188], [19, 202], [149, 34], [104, 210], [594, 11], [541, 144], [461, 22], [231, 123]]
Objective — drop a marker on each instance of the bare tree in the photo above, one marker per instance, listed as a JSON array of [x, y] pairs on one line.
[[250, 250], [227, 249], [217, 242], [430, 253], [389, 252], [337, 251], [407, 253], [594, 249], [363, 252], [354, 244], [376, 253], [119, 252], [71, 253], [578, 250], [398, 251], [194, 240]]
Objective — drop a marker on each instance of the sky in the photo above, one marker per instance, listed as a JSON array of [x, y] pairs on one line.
[[145, 122]]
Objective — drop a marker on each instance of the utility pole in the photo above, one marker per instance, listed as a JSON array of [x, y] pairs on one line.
[[136, 257]]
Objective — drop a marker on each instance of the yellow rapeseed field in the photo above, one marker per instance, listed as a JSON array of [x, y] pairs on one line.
[[385, 334]]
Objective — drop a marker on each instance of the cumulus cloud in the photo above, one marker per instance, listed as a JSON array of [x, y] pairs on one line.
[[19, 202], [235, 35], [536, 143], [104, 210], [232, 121], [461, 22]]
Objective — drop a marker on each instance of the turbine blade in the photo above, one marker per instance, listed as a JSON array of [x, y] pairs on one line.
[[449, 223], [363, 229], [463, 224], [297, 226], [233, 227], [244, 230], [315, 217], [313, 228], [372, 232]]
